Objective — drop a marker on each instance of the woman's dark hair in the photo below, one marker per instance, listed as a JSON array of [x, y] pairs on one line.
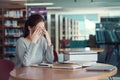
[[32, 21]]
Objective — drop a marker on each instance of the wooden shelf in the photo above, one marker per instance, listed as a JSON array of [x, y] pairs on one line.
[[14, 18], [9, 45], [12, 27], [13, 36]]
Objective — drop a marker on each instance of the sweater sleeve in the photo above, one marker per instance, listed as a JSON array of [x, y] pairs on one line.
[[48, 53], [24, 53]]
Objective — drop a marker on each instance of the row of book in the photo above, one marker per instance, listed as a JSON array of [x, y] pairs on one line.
[[10, 41], [13, 23], [107, 36], [107, 33], [13, 32], [14, 13], [110, 19], [9, 50]]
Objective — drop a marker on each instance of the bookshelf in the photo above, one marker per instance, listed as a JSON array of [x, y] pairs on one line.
[[1, 33], [70, 36], [11, 28], [53, 29], [69, 28], [108, 38]]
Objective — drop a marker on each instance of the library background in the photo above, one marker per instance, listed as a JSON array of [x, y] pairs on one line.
[[68, 29]]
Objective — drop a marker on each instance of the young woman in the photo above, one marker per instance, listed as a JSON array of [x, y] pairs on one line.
[[34, 48]]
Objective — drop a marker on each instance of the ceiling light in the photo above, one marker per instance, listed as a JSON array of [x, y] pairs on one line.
[[38, 4], [53, 7], [17, 0]]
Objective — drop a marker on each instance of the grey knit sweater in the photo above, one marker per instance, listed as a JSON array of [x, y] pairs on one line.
[[28, 53]]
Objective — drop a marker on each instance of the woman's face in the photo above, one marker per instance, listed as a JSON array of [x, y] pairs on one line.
[[40, 24]]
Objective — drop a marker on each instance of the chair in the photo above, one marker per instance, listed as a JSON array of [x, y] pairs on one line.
[[55, 55], [5, 67]]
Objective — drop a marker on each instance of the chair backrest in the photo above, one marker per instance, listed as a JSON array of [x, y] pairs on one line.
[[55, 55], [5, 67]]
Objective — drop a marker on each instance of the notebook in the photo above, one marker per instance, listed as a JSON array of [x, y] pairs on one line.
[[101, 68]]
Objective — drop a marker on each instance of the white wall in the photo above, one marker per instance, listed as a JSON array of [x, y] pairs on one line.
[[100, 11]]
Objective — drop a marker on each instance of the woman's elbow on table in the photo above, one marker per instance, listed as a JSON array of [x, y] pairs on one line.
[[26, 63]]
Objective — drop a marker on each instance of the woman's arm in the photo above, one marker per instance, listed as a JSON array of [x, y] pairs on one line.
[[48, 52], [25, 52]]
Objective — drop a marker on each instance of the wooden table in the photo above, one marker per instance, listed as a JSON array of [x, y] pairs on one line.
[[78, 49], [38, 73]]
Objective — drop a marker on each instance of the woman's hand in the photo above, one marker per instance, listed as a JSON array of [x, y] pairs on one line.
[[47, 35], [38, 31], [36, 34]]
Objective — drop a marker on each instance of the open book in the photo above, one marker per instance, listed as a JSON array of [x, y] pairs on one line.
[[101, 68]]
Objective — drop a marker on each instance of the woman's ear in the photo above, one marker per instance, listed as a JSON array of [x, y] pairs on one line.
[[29, 28]]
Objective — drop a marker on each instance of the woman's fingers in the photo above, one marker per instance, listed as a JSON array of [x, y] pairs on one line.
[[38, 31]]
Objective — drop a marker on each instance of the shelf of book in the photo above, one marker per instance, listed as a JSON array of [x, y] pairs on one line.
[[12, 24], [108, 38]]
